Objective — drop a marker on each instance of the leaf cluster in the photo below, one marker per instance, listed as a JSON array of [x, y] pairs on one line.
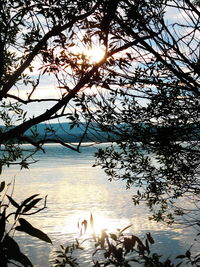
[[13, 220]]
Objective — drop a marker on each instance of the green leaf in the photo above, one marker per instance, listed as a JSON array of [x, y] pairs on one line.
[[2, 186], [13, 202], [29, 229]]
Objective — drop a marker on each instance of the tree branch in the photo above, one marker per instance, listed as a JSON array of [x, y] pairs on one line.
[[56, 30]]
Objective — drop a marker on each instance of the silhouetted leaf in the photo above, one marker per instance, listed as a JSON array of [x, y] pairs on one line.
[[113, 236], [105, 85], [2, 224], [2, 186], [150, 238], [13, 252], [13, 202], [188, 254], [24, 204], [18, 211], [125, 228], [29, 199], [147, 246], [141, 246], [31, 204], [129, 244], [29, 229], [180, 257], [129, 56]]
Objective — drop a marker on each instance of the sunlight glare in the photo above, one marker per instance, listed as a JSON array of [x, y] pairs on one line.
[[101, 223], [94, 54]]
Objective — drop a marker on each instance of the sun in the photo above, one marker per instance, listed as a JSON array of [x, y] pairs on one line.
[[94, 54]]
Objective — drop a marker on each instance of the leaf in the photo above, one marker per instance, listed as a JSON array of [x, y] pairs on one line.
[[180, 257], [103, 238], [113, 236], [13, 252], [141, 246], [125, 228], [31, 205], [129, 56], [188, 254], [178, 264], [13, 202], [24, 204], [92, 222], [29, 229], [147, 246], [2, 224], [105, 85], [150, 238], [29, 199], [18, 211], [2, 186], [84, 225], [129, 244]]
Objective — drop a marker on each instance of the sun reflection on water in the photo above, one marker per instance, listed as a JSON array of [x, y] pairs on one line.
[[95, 225], [87, 225], [87, 229]]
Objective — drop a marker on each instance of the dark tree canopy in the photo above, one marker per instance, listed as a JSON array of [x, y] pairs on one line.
[[151, 104], [144, 89]]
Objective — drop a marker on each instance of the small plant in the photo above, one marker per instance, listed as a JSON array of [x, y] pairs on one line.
[[64, 256], [113, 249], [122, 250], [11, 221]]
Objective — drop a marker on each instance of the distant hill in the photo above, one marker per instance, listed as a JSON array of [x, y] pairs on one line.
[[66, 133], [138, 132]]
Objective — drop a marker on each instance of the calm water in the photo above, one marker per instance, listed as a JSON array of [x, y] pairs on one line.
[[75, 189]]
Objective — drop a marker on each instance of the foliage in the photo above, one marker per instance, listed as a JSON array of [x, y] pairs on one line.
[[47, 44], [11, 220], [151, 104], [65, 257], [119, 249]]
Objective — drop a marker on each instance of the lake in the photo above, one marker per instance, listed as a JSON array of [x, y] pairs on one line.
[[75, 189]]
